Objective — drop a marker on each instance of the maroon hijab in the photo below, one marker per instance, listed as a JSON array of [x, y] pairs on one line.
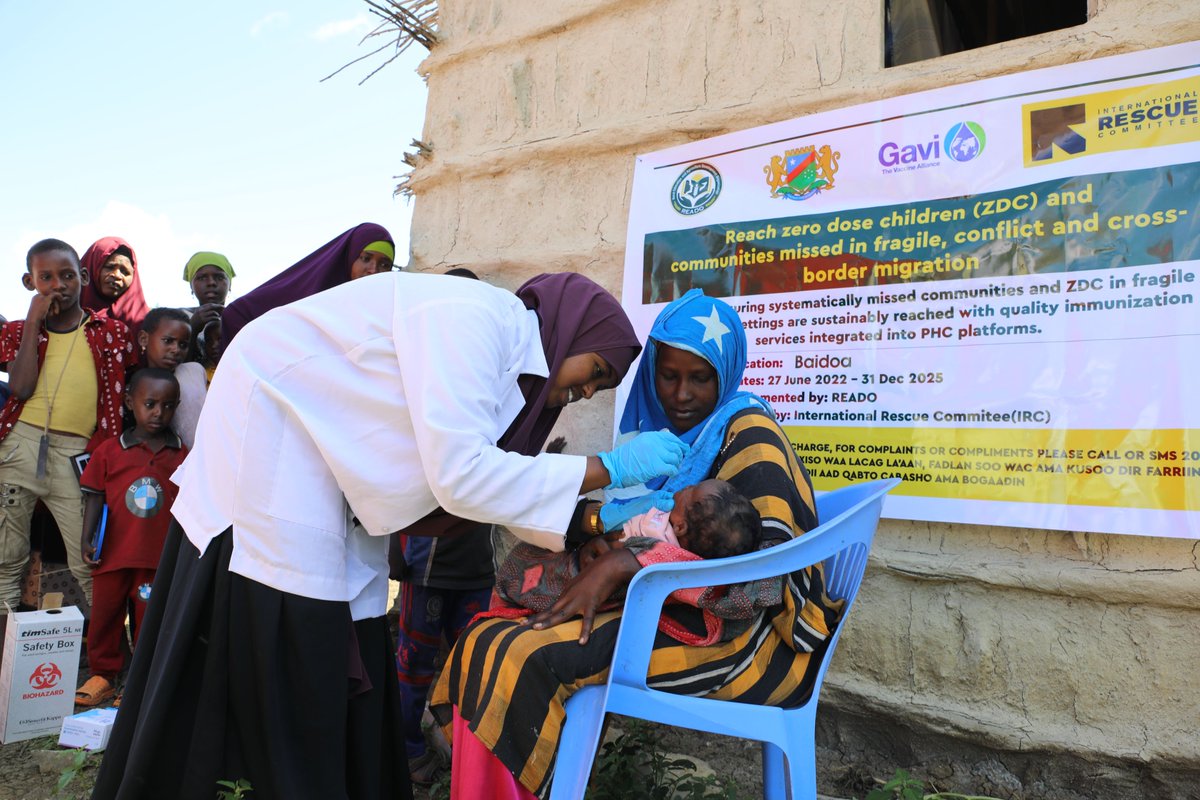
[[131, 306], [577, 316], [326, 267]]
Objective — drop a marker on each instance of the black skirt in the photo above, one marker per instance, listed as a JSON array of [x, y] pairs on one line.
[[233, 680]]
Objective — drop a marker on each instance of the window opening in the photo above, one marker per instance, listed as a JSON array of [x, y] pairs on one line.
[[915, 30]]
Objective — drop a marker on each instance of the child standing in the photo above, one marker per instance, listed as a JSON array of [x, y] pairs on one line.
[[67, 377], [210, 275], [445, 582], [132, 475], [165, 341]]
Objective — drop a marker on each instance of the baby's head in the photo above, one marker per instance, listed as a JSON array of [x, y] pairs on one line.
[[714, 520]]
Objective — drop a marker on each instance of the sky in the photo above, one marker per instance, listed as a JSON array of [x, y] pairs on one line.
[[200, 126]]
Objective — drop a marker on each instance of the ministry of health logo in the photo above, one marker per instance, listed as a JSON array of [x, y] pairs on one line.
[[800, 174], [696, 189]]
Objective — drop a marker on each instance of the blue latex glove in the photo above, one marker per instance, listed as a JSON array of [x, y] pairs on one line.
[[643, 457], [614, 515]]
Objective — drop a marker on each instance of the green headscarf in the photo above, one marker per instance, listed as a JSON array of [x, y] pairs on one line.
[[206, 259], [381, 247]]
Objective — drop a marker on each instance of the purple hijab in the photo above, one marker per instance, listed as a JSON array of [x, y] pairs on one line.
[[577, 316], [326, 267]]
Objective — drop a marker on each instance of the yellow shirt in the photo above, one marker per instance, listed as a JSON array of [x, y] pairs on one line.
[[74, 404]]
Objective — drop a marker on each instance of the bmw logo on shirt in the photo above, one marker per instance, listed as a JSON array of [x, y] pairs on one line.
[[144, 497]]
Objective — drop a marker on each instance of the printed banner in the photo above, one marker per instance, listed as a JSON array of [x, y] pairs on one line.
[[987, 290]]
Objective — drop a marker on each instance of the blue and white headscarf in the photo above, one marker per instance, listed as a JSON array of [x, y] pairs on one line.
[[712, 330]]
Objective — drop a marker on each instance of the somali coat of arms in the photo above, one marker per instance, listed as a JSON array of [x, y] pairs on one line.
[[799, 174]]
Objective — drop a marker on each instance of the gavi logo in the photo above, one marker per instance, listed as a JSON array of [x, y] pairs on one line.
[[893, 154], [964, 142]]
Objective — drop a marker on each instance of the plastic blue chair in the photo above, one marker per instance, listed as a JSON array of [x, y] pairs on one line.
[[842, 541]]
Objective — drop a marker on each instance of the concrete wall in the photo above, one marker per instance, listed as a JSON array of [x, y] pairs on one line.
[[1026, 663]]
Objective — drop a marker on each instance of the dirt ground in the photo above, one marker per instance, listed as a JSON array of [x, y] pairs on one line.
[[32, 770], [22, 779]]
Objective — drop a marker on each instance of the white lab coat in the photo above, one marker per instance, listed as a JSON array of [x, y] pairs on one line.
[[380, 399]]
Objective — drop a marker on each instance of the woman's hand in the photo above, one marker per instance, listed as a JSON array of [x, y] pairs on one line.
[[588, 590], [614, 515], [643, 457]]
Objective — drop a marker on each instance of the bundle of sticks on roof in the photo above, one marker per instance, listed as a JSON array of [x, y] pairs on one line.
[[402, 23]]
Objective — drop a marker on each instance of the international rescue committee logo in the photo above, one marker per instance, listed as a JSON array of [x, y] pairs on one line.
[[802, 173], [1133, 118], [696, 188]]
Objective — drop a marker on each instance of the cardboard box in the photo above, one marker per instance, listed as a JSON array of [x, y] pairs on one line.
[[45, 579], [31, 589], [39, 672], [89, 729], [57, 578]]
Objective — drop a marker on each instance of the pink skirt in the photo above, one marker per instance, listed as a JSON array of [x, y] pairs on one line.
[[476, 774]]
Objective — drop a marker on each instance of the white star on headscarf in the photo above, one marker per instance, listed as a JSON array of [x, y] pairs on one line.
[[713, 328]]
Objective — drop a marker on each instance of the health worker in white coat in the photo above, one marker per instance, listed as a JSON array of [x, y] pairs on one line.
[[395, 401]]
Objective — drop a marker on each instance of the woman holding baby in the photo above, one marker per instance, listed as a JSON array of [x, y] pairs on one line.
[[504, 687]]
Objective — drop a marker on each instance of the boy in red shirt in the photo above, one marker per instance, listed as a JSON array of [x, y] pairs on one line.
[[132, 474], [66, 370]]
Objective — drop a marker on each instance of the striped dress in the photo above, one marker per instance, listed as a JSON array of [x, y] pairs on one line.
[[759, 640]]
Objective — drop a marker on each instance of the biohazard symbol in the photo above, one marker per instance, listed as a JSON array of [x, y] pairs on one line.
[[46, 676]]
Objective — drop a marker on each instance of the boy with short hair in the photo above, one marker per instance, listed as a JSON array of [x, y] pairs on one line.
[[132, 474], [66, 370]]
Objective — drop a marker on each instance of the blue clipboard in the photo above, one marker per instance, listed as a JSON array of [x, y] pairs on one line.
[[100, 533]]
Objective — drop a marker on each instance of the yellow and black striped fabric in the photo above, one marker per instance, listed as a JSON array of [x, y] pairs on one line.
[[510, 681]]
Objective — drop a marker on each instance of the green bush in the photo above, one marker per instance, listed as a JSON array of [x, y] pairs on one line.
[[903, 786], [631, 767]]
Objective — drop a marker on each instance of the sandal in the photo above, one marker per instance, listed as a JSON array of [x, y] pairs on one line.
[[94, 692]]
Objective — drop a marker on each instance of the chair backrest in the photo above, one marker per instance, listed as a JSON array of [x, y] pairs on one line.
[[858, 506], [847, 514], [844, 569], [835, 503], [842, 541]]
